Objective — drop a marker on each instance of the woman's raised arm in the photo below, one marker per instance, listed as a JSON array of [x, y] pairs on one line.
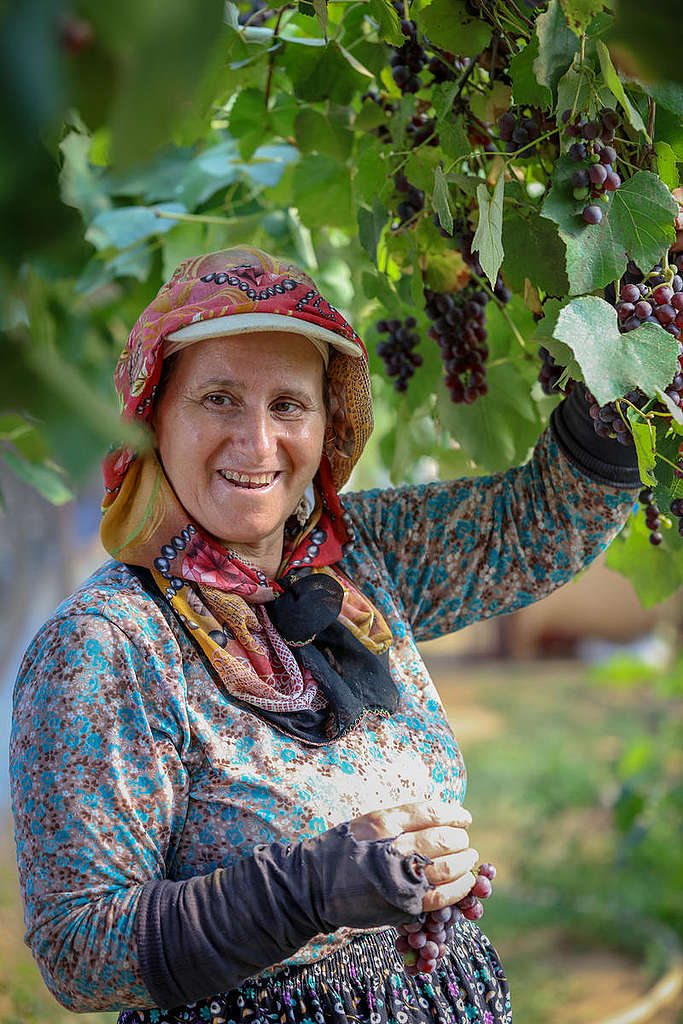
[[469, 549]]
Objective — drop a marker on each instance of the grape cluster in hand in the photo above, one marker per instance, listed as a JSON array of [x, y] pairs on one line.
[[518, 132], [407, 60], [595, 178], [424, 943], [397, 352]]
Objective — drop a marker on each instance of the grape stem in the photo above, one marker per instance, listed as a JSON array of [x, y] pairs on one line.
[[501, 306]]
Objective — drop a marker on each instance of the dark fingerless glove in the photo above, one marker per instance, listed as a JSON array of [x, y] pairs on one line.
[[207, 934], [603, 459]]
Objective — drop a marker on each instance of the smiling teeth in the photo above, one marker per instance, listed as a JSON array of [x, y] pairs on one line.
[[246, 478]]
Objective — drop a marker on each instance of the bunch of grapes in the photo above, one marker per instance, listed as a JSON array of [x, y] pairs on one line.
[[596, 178], [517, 132], [610, 420], [423, 943], [407, 60], [652, 520], [413, 201], [397, 352], [459, 329]]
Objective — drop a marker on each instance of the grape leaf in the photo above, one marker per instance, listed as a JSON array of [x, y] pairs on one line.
[[557, 45], [638, 223], [371, 173], [654, 572], [454, 141], [320, 8], [487, 239], [614, 83], [534, 250], [488, 106], [448, 25], [499, 430], [666, 164], [323, 72], [440, 198], [249, 120], [370, 225], [321, 175], [316, 133], [388, 23], [46, 479], [579, 13], [211, 170], [126, 225], [578, 92], [526, 90], [644, 438], [80, 182], [613, 363]]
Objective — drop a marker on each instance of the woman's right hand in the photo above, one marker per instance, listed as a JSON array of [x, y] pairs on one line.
[[436, 830]]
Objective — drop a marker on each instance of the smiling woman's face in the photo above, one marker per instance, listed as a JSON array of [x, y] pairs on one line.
[[240, 428]]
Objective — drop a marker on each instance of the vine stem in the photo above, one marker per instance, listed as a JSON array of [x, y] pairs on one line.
[[202, 218], [271, 59]]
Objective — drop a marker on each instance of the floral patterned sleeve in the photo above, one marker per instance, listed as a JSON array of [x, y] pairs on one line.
[[99, 794], [469, 549]]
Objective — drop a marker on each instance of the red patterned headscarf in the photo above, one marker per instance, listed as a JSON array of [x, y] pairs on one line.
[[220, 598]]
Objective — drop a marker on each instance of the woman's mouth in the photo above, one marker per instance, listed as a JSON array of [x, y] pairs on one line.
[[249, 481]]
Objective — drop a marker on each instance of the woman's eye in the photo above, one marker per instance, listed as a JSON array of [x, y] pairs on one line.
[[285, 406], [217, 400]]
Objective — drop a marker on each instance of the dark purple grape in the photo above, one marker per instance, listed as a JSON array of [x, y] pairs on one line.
[[592, 214]]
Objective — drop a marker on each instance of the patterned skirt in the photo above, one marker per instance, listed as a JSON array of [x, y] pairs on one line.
[[363, 983]]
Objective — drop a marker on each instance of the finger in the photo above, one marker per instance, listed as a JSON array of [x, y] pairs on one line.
[[433, 842], [449, 869], [447, 895], [412, 817]]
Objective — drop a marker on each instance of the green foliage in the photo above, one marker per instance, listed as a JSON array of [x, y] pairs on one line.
[[152, 133]]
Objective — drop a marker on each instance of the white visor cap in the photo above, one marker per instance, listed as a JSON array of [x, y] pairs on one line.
[[258, 323]]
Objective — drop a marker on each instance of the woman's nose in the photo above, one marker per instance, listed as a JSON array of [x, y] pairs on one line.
[[257, 436]]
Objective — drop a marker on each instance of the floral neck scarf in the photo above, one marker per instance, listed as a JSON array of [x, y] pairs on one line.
[[305, 650]]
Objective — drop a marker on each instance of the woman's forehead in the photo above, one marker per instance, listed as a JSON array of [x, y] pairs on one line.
[[271, 357]]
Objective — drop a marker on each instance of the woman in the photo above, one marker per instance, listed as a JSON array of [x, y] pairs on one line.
[[231, 774]]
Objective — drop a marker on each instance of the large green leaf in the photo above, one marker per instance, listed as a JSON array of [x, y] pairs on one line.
[[526, 89], [613, 363], [448, 25], [498, 430], [370, 226], [441, 202], [388, 23], [654, 572], [322, 72], [317, 133], [320, 175], [488, 236], [650, 44], [46, 479], [534, 251], [557, 45], [638, 223], [81, 183], [127, 225]]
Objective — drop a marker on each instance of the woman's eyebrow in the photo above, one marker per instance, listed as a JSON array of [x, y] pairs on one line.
[[294, 390]]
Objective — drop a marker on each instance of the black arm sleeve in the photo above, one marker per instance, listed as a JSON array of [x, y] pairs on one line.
[[208, 934], [603, 459]]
